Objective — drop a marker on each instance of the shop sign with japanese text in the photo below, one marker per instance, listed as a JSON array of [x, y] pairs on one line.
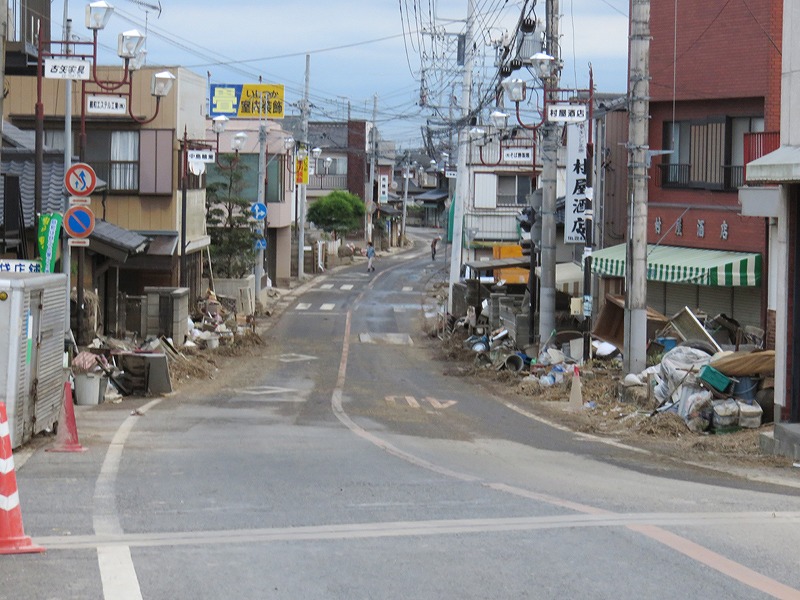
[[67, 68], [106, 105], [518, 155], [249, 100], [301, 170], [566, 113], [12, 265], [577, 202]]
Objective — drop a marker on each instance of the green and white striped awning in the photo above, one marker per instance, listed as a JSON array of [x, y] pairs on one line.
[[672, 264]]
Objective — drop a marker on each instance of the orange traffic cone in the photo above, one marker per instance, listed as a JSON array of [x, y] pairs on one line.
[[67, 436], [12, 538]]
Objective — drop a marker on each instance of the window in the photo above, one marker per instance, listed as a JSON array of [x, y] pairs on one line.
[[114, 155], [513, 189], [493, 190]]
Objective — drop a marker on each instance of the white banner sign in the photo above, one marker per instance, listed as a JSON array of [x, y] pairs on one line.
[[450, 174], [67, 68], [383, 189], [576, 201], [205, 156], [106, 105], [566, 113], [518, 155]]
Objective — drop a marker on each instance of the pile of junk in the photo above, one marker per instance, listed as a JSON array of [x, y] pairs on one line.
[[711, 371]]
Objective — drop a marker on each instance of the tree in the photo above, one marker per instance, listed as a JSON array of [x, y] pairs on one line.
[[228, 218], [339, 213]]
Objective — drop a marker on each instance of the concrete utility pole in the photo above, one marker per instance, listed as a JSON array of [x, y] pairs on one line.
[[301, 228], [406, 176], [547, 293], [66, 250], [635, 346], [462, 178], [262, 194], [372, 160]]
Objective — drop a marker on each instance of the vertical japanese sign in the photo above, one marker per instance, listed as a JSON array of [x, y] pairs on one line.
[[576, 201], [301, 170], [49, 230]]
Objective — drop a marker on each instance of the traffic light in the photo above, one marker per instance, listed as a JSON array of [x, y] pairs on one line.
[[526, 219], [525, 244]]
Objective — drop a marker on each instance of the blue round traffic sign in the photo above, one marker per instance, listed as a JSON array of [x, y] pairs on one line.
[[259, 211], [79, 221]]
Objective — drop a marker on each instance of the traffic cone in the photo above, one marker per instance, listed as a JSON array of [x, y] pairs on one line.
[[67, 436], [576, 391], [12, 538]]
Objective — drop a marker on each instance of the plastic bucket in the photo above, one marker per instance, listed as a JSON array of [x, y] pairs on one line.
[[87, 388], [745, 389]]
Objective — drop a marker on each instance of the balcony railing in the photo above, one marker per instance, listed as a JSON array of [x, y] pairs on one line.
[[733, 176], [327, 182], [674, 175], [759, 144]]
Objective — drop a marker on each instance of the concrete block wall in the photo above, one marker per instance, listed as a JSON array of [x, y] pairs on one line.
[[178, 318]]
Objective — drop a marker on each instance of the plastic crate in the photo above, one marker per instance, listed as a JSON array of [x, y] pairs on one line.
[[715, 379]]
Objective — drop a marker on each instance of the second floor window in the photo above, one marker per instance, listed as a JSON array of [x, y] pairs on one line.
[[114, 155]]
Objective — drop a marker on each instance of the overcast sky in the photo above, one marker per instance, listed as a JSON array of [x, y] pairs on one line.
[[358, 48]]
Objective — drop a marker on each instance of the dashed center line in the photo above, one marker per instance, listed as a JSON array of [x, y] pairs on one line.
[[347, 286], [327, 307]]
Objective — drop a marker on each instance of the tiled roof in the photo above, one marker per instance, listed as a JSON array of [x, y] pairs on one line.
[[117, 237]]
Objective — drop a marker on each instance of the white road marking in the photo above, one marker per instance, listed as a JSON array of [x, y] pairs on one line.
[[414, 403], [408, 288], [347, 286], [396, 339], [326, 286], [295, 357], [303, 306], [440, 404], [265, 390], [117, 572], [327, 307]]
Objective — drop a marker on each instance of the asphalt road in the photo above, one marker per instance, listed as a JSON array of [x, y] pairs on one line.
[[344, 464]]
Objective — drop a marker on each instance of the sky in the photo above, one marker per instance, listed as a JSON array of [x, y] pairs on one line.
[[358, 48]]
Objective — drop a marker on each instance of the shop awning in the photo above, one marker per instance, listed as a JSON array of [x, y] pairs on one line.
[[672, 264]]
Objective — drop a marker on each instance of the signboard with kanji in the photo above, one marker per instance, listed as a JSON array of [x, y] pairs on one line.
[[301, 172], [566, 113], [67, 68], [97, 104], [577, 202], [518, 155], [249, 100]]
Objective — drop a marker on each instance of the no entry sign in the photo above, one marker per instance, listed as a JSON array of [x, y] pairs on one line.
[[79, 221]]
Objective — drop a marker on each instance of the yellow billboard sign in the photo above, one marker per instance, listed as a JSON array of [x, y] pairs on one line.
[[246, 101]]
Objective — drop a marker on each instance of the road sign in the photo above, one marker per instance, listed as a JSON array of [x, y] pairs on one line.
[[79, 221], [204, 156], [82, 242], [79, 200], [80, 179], [259, 211], [451, 174], [261, 244]]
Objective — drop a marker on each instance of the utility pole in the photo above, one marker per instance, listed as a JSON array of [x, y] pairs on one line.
[[66, 250], [462, 178], [547, 293], [635, 344], [262, 191], [301, 228], [406, 175], [372, 160]]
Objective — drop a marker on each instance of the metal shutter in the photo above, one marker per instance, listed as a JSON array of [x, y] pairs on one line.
[[656, 296], [679, 295], [747, 305]]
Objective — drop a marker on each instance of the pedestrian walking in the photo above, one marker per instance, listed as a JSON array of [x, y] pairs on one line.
[[433, 247], [370, 257]]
